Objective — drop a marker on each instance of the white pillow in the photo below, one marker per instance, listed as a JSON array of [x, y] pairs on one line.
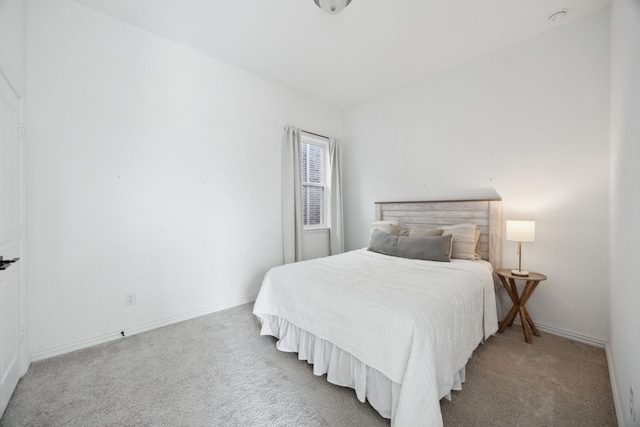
[[464, 240], [391, 227]]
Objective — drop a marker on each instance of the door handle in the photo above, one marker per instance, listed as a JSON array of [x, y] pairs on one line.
[[4, 264]]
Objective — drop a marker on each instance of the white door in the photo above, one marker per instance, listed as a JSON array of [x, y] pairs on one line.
[[11, 293]]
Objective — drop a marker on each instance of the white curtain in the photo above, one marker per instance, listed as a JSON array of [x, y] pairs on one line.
[[291, 196], [292, 228], [336, 230]]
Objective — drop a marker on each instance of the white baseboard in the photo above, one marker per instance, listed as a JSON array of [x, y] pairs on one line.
[[112, 336], [566, 334], [571, 335], [614, 387]]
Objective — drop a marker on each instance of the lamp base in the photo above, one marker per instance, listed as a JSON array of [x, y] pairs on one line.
[[519, 272]]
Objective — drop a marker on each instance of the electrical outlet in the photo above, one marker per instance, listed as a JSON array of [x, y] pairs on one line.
[[130, 298]]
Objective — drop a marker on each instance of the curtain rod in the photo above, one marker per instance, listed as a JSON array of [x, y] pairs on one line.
[[315, 134]]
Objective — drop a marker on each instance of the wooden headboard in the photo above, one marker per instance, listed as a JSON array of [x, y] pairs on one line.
[[485, 213]]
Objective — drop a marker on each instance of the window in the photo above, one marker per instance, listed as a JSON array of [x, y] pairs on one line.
[[313, 155]]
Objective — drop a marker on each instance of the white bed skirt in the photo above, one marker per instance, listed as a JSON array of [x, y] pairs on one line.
[[342, 368]]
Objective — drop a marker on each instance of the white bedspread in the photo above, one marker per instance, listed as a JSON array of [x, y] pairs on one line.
[[417, 322]]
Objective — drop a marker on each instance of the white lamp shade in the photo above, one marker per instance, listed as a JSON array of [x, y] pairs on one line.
[[521, 231], [332, 6]]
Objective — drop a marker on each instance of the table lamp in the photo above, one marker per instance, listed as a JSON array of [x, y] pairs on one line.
[[521, 231]]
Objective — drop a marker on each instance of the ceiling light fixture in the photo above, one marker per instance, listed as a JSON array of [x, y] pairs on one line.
[[332, 6], [559, 15]]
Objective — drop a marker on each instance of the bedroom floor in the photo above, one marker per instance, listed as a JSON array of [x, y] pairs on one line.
[[218, 370], [551, 382]]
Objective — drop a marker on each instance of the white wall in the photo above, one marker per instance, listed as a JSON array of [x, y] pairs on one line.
[[152, 168], [624, 342], [315, 243], [529, 122], [12, 43]]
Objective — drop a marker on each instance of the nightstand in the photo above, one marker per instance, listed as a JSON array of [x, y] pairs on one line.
[[519, 301]]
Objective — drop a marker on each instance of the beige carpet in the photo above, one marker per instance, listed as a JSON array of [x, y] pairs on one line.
[[217, 371], [550, 382]]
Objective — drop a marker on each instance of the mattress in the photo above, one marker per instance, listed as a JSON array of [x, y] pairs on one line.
[[410, 325]]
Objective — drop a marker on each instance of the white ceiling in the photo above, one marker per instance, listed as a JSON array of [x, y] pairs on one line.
[[372, 47]]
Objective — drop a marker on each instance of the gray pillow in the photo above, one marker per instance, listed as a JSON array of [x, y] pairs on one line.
[[382, 242], [427, 248], [435, 248], [391, 227]]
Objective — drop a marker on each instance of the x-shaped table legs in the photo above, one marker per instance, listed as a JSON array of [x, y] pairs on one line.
[[519, 306]]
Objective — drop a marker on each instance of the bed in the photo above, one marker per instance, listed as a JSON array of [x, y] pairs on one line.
[[397, 330]]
